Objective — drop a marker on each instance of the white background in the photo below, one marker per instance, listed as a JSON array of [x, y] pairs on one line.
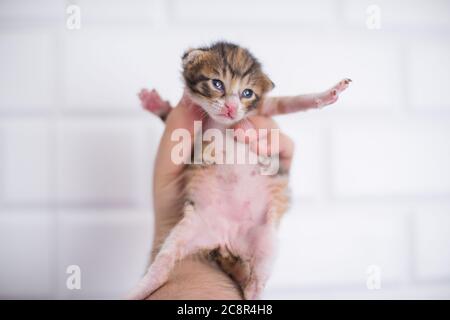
[[371, 177]]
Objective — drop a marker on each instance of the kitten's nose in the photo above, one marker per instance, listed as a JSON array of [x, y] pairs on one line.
[[230, 109]]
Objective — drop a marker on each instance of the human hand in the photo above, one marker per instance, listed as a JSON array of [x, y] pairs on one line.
[[193, 277]]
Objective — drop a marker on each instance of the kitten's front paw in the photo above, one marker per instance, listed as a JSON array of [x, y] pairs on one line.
[[330, 96], [152, 101], [341, 86]]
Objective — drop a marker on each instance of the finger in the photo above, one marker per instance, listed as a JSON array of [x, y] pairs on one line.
[[263, 122], [245, 131], [266, 128], [265, 143], [181, 118], [286, 154], [253, 129], [275, 143]]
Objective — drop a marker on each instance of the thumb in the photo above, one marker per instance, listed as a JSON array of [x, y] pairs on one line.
[[177, 137]]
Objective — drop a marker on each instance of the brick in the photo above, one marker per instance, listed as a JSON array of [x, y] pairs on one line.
[[111, 247], [253, 11], [432, 244], [396, 292], [30, 12], [26, 80], [321, 249], [26, 242], [391, 158], [97, 163], [115, 12], [401, 13], [307, 166], [320, 60], [25, 161], [429, 70], [104, 71], [148, 135], [106, 67]]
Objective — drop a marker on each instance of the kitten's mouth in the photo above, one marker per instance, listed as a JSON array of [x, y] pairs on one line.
[[227, 115], [224, 118]]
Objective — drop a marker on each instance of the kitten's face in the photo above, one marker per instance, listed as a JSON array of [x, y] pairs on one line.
[[225, 80]]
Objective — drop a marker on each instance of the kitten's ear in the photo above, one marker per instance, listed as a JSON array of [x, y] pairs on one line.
[[268, 84], [192, 56]]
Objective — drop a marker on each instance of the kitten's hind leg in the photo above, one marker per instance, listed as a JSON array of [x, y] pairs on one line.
[[152, 101], [281, 105], [261, 262], [182, 241]]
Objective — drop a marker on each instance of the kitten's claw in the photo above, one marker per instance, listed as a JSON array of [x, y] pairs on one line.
[[342, 85]]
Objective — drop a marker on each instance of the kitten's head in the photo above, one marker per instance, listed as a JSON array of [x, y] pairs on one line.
[[225, 80]]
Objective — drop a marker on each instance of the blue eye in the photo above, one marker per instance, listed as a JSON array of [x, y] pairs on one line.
[[218, 84], [247, 93]]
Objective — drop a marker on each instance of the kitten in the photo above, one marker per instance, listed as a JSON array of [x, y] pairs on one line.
[[231, 212]]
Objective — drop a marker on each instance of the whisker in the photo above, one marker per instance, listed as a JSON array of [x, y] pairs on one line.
[[216, 106], [204, 115], [217, 109]]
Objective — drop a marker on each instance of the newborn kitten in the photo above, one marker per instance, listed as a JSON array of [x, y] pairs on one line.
[[231, 212]]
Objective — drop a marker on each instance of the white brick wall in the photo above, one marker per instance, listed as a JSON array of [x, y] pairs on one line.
[[98, 172], [408, 14], [326, 253], [102, 242], [370, 180], [252, 11], [398, 157], [433, 256], [429, 66], [27, 77], [25, 144], [27, 254]]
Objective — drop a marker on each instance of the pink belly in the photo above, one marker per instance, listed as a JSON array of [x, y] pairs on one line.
[[232, 198]]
